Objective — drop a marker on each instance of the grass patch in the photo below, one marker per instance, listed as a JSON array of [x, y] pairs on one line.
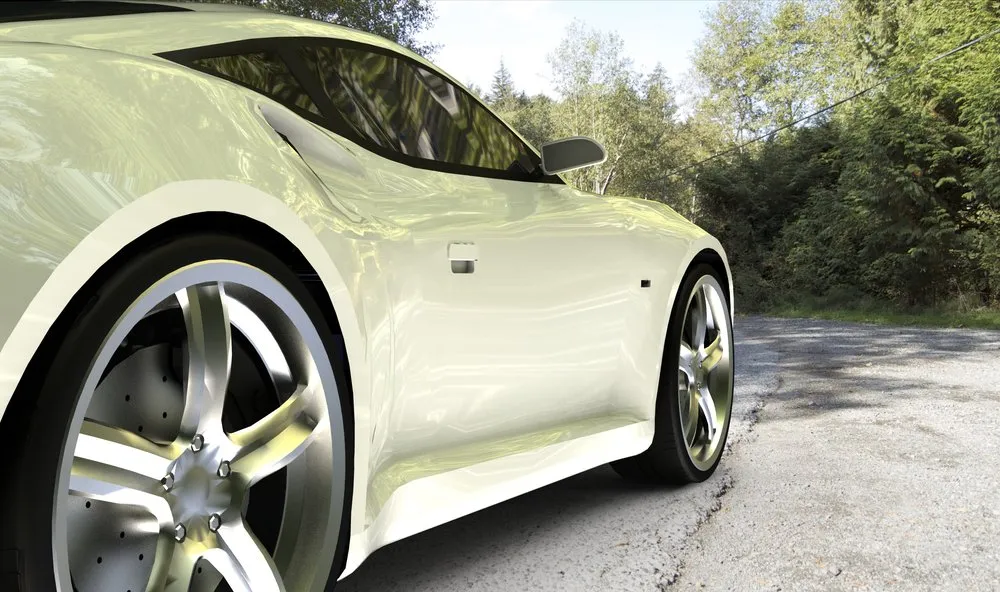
[[983, 318]]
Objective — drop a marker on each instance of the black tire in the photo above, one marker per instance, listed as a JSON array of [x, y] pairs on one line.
[[667, 461], [48, 393]]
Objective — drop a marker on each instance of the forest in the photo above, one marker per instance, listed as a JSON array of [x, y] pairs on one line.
[[885, 206]]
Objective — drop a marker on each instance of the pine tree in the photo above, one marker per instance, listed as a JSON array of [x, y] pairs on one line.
[[502, 91]]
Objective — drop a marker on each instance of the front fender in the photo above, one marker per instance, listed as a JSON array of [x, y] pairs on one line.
[[135, 144], [660, 223]]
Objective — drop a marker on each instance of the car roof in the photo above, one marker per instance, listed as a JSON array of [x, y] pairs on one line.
[[149, 28]]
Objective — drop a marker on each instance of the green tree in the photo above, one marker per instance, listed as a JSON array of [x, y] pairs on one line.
[[951, 144], [655, 143], [807, 44], [503, 95], [602, 96], [732, 71], [599, 97], [750, 198], [533, 118], [892, 197], [764, 65]]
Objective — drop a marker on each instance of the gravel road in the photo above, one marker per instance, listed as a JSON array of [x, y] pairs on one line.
[[860, 458]]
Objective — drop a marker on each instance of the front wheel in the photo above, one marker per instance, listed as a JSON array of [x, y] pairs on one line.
[[186, 434], [694, 401]]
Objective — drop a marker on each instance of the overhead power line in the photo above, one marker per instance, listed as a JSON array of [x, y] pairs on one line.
[[831, 106]]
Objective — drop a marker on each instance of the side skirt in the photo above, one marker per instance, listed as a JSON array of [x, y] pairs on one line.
[[425, 503]]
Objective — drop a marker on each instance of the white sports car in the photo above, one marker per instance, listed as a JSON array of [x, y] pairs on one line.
[[280, 293]]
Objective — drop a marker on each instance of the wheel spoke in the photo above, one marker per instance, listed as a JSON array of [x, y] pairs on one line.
[[691, 417], [277, 439], [113, 465], [687, 361], [697, 319], [707, 407], [709, 315], [173, 567], [263, 342], [711, 355], [209, 357], [243, 561]]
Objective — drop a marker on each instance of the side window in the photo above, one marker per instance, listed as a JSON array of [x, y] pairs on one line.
[[264, 72], [401, 106]]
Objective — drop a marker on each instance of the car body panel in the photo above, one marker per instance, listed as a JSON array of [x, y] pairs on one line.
[[561, 374], [146, 35]]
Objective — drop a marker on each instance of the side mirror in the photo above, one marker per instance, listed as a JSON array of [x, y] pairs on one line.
[[570, 154]]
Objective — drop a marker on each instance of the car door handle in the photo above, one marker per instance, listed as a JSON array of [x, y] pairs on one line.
[[463, 257]]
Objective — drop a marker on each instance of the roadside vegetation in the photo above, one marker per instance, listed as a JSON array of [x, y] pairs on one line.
[[882, 314], [885, 209]]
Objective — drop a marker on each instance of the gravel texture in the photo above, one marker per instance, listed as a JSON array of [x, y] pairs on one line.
[[860, 458]]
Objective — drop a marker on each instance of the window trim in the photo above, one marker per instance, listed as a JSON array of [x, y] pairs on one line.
[[288, 48]]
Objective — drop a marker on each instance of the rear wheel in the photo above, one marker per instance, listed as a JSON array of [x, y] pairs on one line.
[[188, 433], [695, 397]]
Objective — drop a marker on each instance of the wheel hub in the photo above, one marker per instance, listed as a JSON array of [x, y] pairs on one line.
[[198, 490], [699, 376]]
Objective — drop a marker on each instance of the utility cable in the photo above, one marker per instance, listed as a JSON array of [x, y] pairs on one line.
[[831, 106]]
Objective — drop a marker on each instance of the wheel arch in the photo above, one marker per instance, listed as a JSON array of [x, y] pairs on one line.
[[706, 250], [703, 249], [718, 263]]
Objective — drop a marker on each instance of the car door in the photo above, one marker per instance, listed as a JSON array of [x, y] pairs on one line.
[[509, 294]]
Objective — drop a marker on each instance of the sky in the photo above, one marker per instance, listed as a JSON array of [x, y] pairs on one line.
[[476, 34]]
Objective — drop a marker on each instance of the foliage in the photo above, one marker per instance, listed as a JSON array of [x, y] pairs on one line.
[[503, 95], [732, 72], [893, 198], [882, 314], [598, 88]]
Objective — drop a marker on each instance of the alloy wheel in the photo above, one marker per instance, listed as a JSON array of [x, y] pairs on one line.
[[213, 394], [705, 373]]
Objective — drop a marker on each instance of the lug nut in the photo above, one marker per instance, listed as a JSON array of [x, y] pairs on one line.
[[168, 482], [197, 443], [214, 522], [224, 469], [179, 533]]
